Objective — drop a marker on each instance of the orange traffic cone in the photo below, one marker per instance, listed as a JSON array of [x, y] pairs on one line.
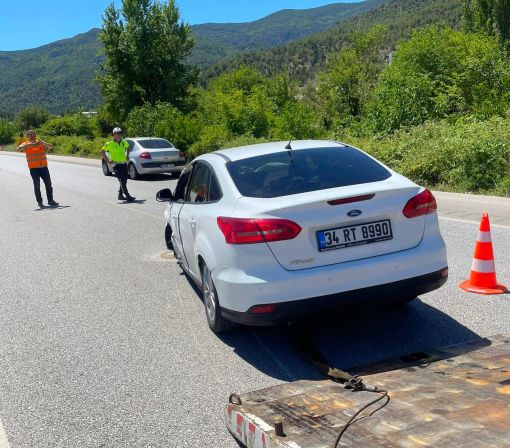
[[482, 279]]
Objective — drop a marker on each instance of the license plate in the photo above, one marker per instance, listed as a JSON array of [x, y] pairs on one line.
[[358, 235], [167, 165]]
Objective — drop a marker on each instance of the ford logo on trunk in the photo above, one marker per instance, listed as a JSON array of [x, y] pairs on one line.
[[354, 213]]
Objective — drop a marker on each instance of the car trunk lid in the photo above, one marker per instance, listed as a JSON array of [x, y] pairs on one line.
[[165, 155], [367, 221]]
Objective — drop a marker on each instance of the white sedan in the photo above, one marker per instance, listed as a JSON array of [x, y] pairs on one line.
[[277, 231]]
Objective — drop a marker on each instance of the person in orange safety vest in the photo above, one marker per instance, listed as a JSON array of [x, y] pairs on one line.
[[35, 152]]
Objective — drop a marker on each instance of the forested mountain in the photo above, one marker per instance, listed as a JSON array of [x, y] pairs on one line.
[[302, 58], [60, 76], [215, 41]]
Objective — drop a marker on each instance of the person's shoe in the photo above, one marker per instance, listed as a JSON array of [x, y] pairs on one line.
[[52, 203], [130, 198], [121, 197], [40, 204]]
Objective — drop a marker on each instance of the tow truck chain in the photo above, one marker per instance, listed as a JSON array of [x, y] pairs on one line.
[[303, 343]]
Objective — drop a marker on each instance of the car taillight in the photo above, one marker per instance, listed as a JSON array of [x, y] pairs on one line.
[[252, 230], [182, 155], [419, 205], [145, 155], [262, 309]]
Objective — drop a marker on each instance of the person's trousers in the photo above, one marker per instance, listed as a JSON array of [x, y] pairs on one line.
[[120, 170], [44, 174]]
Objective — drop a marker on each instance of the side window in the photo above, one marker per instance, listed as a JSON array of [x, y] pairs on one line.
[[199, 185], [214, 189], [131, 143], [180, 190]]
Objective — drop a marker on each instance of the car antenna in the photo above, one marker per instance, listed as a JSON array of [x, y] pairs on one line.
[[288, 145]]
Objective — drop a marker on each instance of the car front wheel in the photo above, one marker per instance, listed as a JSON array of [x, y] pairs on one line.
[[168, 237], [217, 323], [106, 170]]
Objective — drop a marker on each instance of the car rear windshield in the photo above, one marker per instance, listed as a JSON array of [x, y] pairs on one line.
[[155, 143], [304, 170]]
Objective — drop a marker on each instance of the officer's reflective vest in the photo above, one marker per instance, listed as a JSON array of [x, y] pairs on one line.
[[36, 156]]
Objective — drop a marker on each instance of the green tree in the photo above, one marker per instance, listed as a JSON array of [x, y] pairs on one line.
[[296, 121], [491, 17], [344, 88], [440, 72], [6, 132], [31, 118], [240, 102], [146, 48]]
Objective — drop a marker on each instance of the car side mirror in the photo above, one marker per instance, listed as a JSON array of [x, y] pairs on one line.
[[164, 195]]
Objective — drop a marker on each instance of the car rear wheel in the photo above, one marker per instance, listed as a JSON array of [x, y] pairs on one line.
[[132, 173], [216, 321], [106, 170]]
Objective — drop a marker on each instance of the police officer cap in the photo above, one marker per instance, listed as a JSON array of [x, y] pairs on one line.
[[117, 131]]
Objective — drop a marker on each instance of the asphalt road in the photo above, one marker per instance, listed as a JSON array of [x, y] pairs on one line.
[[104, 343]]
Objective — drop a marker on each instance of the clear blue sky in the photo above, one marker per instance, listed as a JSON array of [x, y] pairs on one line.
[[32, 23]]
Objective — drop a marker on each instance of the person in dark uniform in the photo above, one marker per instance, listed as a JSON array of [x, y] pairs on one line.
[[118, 149]]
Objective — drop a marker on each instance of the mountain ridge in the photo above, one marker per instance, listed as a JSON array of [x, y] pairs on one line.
[[60, 75], [300, 59]]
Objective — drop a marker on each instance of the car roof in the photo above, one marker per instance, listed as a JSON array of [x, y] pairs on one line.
[[146, 138], [244, 152]]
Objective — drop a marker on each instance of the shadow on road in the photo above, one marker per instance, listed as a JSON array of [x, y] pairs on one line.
[[48, 207], [348, 340], [136, 201], [156, 178]]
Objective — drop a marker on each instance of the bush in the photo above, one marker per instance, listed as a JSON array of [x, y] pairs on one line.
[[211, 138], [75, 145], [105, 123], [296, 121], [69, 125], [6, 132], [439, 72], [31, 118], [164, 120], [244, 140], [142, 121], [182, 131], [468, 155]]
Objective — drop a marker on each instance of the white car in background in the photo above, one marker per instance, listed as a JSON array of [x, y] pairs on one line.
[[151, 155], [278, 231]]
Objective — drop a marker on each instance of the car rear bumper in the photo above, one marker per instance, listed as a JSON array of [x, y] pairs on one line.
[[157, 167], [239, 290], [394, 292]]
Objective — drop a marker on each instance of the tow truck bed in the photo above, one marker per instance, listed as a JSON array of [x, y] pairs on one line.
[[458, 396]]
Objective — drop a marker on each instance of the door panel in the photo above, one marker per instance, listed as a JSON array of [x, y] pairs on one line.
[[196, 197], [176, 235], [175, 212]]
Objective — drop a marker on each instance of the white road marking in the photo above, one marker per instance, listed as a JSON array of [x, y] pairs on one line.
[[467, 221], [4, 442]]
